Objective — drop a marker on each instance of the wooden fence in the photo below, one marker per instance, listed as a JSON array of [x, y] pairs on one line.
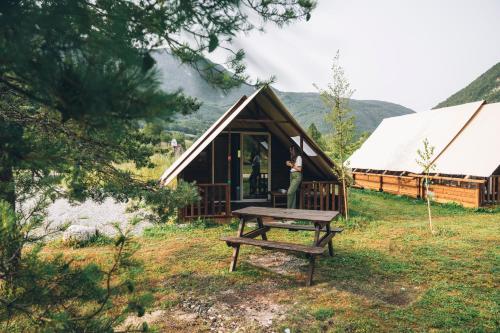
[[320, 195], [215, 202], [490, 191]]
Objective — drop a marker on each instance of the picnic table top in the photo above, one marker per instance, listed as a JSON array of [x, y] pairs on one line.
[[287, 213]]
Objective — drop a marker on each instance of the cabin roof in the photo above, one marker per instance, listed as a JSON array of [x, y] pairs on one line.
[[281, 123], [464, 137]]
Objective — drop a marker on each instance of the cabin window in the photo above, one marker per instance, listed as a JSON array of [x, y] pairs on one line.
[[307, 149]]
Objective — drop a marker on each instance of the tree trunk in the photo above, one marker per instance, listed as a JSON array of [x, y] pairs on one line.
[[13, 246], [428, 205], [344, 190], [7, 186]]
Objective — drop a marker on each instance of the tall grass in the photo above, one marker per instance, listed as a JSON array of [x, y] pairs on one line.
[[161, 162]]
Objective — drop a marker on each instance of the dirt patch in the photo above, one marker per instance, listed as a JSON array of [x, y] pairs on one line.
[[389, 293], [279, 262], [399, 296], [253, 309]]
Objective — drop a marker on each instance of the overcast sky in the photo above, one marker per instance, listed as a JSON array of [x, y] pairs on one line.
[[411, 52]]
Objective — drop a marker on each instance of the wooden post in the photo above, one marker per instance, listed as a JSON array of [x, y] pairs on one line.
[[228, 200], [311, 270], [213, 162], [236, 249], [229, 159], [260, 224], [330, 243]]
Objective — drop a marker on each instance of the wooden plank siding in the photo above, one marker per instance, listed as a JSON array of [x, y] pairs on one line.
[[399, 185], [467, 197], [467, 192]]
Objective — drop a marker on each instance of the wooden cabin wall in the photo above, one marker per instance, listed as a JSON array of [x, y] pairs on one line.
[[497, 172], [200, 169], [220, 158], [280, 173]]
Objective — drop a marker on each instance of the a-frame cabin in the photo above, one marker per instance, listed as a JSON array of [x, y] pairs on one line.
[[220, 161]]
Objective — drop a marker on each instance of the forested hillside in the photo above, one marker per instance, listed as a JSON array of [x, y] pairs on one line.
[[485, 87], [307, 107]]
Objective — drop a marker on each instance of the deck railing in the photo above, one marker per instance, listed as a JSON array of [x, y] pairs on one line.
[[490, 191], [320, 195], [215, 202]]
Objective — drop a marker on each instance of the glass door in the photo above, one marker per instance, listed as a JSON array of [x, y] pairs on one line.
[[255, 166]]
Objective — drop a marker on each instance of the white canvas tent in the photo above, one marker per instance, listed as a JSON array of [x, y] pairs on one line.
[[466, 139]]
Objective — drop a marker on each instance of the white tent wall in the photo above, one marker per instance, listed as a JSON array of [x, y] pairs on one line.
[[476, 151], [394, 144]]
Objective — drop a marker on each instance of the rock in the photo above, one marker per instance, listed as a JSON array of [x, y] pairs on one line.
[[133, 322], [76, 234]]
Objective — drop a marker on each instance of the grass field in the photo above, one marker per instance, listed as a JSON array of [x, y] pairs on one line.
[[388, 274]]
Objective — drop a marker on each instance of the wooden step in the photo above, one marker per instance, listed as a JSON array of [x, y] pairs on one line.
[[314, 250], [297, 227]]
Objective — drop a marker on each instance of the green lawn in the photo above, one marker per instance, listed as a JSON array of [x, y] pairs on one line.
[[388, 274]]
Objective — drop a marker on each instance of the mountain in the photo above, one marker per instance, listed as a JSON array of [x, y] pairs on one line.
[[306, 107], [486, 87]]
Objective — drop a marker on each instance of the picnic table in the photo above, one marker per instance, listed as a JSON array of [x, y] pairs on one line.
[[320, 221]]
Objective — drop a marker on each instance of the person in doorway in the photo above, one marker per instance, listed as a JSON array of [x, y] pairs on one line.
[[255, 175], [295, 165]]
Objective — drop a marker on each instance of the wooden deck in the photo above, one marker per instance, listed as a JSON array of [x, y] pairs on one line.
[[215, 200]]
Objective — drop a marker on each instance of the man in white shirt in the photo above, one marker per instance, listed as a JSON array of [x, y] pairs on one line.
[[295, 165]]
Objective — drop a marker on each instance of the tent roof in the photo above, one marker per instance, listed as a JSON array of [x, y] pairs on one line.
[[394, 144], [284, 126], [476, 151]]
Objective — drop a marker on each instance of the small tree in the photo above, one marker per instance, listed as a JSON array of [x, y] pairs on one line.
[[343, 142], [426, 160], [316, 135]]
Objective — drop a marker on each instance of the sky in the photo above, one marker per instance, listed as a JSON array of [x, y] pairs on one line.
[[412, 52]]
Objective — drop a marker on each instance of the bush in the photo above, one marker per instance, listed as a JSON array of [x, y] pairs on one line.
[[52, 294], [323, 314]]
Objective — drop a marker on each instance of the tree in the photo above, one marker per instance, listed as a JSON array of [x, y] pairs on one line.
[[343, 143], [425, 158], [316, 135], [77, 84]]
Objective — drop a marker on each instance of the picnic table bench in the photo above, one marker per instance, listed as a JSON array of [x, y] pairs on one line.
[[321, 221]]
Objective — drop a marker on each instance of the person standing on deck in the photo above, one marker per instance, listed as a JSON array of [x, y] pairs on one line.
[[295, 165]]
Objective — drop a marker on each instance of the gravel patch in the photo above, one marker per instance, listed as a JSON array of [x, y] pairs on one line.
[[100, 216]]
